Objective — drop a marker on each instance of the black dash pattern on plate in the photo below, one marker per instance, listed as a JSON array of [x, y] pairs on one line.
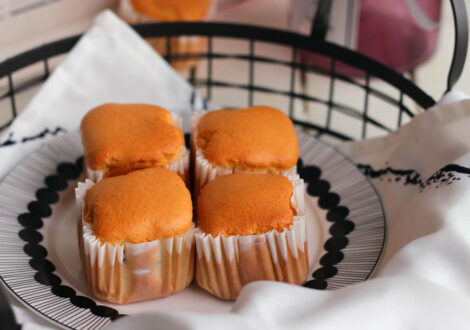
[[447, 175], [187, 140], [39, 211], [340, 228], [41, 135]]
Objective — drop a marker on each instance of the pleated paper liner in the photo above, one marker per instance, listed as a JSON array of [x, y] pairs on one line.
[[226, 263], [127, 272], [204, 171], [180, 165]]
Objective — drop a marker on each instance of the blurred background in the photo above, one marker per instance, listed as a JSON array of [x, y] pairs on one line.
[[414, 37]]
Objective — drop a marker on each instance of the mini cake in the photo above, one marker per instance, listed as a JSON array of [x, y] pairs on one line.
[[257, 139], [144, 11], [136, 235], [251, 227], [119, 138]]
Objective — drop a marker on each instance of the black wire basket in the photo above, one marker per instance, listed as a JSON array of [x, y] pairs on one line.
[[383, 90]]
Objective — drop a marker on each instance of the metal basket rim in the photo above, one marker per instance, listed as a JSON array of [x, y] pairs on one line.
[[237, 31]]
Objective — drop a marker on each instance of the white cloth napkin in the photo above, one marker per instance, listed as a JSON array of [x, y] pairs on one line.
[[423, 279]]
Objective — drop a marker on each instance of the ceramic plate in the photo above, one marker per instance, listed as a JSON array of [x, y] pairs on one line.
[[39, 261]]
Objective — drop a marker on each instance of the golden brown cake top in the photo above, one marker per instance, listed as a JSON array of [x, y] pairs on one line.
[[256, 138], [173, 10], [245, 204], [138, 207], [122, 137]]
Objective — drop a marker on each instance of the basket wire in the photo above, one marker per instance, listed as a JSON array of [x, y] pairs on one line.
[[400, 96]]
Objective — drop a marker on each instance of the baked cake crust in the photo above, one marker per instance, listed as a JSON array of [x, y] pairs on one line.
[[119, 138], [245, 204], [254, 139], [175, 10], [138, 207]]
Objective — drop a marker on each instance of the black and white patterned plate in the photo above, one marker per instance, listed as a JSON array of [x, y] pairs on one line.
[[39, 261]]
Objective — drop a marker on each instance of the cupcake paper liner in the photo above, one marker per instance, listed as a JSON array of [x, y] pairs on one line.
[[131, 272], [226, 263], [180, 165], [204, 171]]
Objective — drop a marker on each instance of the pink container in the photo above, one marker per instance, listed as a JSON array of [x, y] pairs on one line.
[[392, 34]]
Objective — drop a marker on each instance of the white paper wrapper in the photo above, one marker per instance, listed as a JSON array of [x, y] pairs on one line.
[[180, 165], [204, 171], [179, 45], [226, 263], [128, 272]]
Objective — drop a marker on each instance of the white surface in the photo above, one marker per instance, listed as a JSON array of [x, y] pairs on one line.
[[28, 23]]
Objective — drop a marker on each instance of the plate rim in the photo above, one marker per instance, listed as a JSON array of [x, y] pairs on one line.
[[300, 127], [384, 215]]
